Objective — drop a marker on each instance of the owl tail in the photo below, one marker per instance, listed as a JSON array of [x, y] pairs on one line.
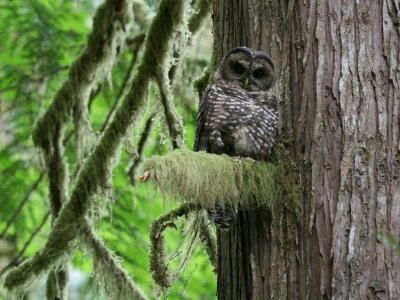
[[223, 217]]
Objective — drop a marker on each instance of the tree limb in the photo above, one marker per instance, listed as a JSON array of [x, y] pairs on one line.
[[97, 169], [112, 278]]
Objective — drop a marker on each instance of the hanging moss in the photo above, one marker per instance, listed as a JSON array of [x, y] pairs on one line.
[[202, 8], [158, 248], [97, 170], [111, 27], [112, 279], [209, 241], [201, 83], [204, 179], [196, 230]]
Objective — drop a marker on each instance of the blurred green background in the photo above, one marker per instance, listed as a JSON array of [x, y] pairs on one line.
[[40, 39]]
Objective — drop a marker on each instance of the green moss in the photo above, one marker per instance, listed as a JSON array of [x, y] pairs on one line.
[[200, 179], [112, 279], [158, 257], [287, 179], [96, 174], [203, 178], [200, 84]]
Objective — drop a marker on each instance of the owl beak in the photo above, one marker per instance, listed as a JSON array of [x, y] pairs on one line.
[[246, 83]]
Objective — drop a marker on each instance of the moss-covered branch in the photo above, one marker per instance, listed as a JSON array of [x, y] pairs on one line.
[[202, 9], [200, 180], [96, 172], [113, 280], [158, 248], [209, 241], [204, 179], [165, 79], [172, 119], [110, 29]]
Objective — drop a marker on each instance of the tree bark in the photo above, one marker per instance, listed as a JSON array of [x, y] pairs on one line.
[[337, 64]]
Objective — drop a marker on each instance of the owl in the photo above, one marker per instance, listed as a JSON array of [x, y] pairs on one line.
[[238, 115]]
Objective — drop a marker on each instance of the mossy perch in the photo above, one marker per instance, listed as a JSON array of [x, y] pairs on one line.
[[203, 179], [199, 180]]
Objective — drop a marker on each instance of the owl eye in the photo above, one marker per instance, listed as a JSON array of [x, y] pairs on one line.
[[259, 73], [238, 68]]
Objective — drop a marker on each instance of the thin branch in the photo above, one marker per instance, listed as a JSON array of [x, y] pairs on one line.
[[172, 118], [127, 80], [134, 42], [113, 279], [202, 9], [140, 148], [16, 258], [22, 204]]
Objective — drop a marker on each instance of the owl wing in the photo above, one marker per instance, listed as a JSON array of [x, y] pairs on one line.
[[201, 142]]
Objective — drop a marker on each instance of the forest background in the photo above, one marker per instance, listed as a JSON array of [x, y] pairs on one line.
[[40, 40]]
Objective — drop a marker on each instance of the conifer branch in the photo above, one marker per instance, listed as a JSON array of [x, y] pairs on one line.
[[203, 179]]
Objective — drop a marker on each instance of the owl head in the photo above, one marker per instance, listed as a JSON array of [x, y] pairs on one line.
[[250, 69]]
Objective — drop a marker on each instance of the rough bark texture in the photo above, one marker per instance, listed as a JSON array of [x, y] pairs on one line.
[[337, 64]]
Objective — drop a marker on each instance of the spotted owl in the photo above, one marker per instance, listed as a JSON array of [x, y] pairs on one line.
[[238, 115]]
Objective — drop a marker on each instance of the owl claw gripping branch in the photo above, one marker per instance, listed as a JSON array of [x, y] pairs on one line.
[[238, 115]]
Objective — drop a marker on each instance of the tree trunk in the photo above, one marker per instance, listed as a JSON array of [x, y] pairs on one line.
[[337, 64]]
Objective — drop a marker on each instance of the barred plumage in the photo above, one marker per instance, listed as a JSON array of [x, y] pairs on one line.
[[237, 115]]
